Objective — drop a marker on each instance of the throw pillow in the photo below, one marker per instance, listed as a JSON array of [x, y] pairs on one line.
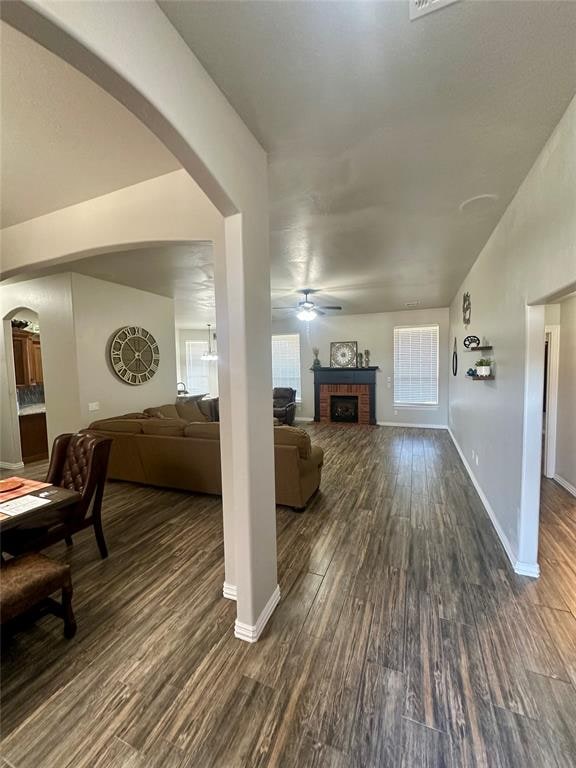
[[190, 412]]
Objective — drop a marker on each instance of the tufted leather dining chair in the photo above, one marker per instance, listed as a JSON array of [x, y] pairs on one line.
[[79, 462]]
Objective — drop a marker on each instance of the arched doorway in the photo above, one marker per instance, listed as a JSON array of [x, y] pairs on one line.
[[106, 41]]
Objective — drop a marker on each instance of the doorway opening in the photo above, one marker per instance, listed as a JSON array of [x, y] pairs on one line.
[[29, 379]]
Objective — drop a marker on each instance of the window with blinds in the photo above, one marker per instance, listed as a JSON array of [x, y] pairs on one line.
[[286, 362], [197, 370], [416, 365]]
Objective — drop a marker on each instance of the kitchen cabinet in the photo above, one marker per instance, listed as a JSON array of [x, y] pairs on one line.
[[33, 437], [27, 358]]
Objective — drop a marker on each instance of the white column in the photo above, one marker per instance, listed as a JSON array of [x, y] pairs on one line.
[[250, 425], [229, 588]]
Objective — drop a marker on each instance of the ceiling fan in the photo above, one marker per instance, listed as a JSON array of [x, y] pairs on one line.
[[307, 310]]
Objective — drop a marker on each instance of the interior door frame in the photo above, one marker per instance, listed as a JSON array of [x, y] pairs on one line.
[[549, 463]]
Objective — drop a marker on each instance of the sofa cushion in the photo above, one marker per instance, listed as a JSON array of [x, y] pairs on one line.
[[166, 427], [294, 436], [168, 411], [208, 430], [119, 424], [190, 411]]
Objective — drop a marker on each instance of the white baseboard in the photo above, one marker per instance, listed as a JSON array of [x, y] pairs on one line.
[[303, 420], [524, 569], [229, 590], [9, 465], [251, 632], [565, 484], [407, 424]]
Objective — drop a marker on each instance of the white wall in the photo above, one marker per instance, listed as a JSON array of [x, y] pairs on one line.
[[552, 314], [531, 255], [374, 332], [566, 424], [100, 309]]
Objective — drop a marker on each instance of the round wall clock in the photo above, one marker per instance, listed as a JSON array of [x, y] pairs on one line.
[[134, 354], [343, 354]]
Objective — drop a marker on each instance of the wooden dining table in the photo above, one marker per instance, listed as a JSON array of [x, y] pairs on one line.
[[58, 500]]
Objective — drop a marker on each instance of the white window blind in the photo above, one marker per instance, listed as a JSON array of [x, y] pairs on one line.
[[416, 365], [197, 370], [286, 361]]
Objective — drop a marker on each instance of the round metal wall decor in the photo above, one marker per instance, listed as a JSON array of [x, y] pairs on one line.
[[471, 342], [455, 358], [134, 354]]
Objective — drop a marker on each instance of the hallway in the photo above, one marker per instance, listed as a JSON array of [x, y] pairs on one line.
[[402, 639]]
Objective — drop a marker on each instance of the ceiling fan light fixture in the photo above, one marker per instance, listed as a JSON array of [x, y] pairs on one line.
[[306, 315]]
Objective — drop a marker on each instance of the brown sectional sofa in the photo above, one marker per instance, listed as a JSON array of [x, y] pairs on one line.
[[155, 448]]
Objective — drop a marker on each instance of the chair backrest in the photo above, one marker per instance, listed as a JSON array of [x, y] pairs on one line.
[[283, 395], [79, 463]]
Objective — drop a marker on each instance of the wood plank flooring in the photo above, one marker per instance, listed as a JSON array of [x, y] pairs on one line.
[[402, 640]]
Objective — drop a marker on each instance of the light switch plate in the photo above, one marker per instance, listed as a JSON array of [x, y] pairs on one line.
[[93, 406]]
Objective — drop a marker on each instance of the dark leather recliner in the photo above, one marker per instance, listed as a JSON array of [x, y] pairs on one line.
[[284, 404], [79, 462]]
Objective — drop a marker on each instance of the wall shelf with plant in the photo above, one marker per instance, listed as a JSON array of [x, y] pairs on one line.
[[483, 370]]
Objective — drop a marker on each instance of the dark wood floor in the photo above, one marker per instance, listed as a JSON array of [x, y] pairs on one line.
[[402, 639]]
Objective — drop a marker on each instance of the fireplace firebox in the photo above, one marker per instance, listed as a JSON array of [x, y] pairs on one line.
[[344, 408]]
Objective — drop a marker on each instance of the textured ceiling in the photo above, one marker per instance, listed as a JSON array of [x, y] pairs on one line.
[[378, 129], [63, 139], [181, 272]]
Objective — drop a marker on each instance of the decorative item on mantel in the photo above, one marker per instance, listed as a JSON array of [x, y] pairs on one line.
[[359, 360], [343, 354], [367, 358], [316, 362]]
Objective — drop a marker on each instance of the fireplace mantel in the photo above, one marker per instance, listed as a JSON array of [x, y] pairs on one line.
[[346, 381]]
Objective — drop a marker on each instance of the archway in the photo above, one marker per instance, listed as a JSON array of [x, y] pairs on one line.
[[106, 41]]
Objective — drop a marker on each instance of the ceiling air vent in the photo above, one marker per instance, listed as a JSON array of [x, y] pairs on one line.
[[422, 7]]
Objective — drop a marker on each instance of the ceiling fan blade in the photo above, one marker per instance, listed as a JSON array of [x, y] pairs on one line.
[[291, 308], [319, 311], [323, 307]]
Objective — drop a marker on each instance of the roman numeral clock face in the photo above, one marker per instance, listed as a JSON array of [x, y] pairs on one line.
[[134, 355]]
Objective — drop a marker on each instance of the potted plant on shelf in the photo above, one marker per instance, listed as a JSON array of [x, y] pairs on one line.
[[483, 367]]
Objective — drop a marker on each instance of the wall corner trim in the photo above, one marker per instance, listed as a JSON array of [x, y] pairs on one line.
[[229, 591], [9, 465], [523, 569], [565, 484], [251, 632]]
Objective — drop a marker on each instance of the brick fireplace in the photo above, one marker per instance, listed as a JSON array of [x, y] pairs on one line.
[[342, 383]]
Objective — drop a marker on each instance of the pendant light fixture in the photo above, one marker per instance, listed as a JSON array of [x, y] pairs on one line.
[[209, 355]]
